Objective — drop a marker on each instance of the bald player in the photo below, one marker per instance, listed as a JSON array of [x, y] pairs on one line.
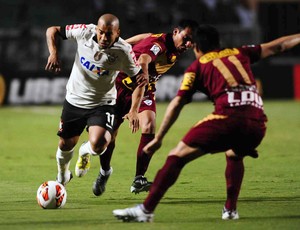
[[90, 92]]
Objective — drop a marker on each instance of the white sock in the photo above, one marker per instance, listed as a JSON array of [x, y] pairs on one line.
[[86, 148], [105, 173], [63, 159], [144, 209]]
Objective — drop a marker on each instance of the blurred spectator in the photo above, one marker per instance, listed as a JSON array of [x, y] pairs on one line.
[[135, 16], [218, 12], [247, 13], [132, 11], [24, 46]]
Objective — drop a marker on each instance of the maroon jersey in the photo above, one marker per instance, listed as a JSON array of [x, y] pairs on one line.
[[226, 78], [161, 49]]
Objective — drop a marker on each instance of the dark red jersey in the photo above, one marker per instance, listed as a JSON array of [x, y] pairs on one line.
[[226, 78], [161, 49]]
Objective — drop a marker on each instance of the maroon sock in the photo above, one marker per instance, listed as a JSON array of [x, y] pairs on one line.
[[105, 158], [234, 177], [164, 179], [143, 159]]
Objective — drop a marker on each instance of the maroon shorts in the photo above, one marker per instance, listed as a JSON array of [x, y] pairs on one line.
[[219, 133], [124, 102]]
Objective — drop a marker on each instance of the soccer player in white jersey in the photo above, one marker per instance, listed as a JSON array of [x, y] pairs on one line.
[[91, 93]]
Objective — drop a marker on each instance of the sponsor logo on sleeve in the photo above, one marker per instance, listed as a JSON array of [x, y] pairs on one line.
[[155, 49], [188, 81], [75, 26]]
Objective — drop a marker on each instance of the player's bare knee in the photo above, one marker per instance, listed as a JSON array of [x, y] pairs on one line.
[[66, 144], [98, 146], [184, 151], [148, 127], [173, 152], [230, 153]]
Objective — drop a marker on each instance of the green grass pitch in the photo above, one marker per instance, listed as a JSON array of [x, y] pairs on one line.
[[269, 199]]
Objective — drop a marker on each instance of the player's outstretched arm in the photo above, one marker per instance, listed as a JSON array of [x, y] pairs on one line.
[[136, 100], [135, 39], [279, 45], [53, 64], [171, 115], [144, 61]]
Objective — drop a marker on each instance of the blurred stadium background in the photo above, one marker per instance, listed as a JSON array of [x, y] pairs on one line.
[[24, 53]]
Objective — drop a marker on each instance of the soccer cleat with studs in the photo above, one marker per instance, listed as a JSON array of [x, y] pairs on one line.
[[100, 183], [135, 214], [65, 179], [229, 214], [140, 184], [83, 163]]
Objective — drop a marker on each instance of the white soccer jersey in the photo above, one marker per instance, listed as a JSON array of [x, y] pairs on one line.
[[92, 80]]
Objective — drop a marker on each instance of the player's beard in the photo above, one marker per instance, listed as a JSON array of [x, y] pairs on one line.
[[182, 49]]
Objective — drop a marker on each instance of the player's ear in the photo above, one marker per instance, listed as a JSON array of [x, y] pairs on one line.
[[176, 31], [198, 53], [118, 35]]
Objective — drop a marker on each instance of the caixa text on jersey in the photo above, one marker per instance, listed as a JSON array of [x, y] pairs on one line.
[[92, 67]]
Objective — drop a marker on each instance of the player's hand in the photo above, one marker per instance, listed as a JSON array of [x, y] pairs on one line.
[[152, 146], [53, 64], [142, 79], [133, 119]]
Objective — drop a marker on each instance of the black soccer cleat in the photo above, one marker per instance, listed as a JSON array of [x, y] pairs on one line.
[[140, 184], [100, 183]]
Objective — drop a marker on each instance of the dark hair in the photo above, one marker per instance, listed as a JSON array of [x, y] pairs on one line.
[[184, 23], [206, 38]]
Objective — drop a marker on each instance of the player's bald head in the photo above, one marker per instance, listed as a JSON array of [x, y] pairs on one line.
[[109, 20], [108, 30]]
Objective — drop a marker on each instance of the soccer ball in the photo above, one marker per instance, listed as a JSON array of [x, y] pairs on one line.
[[51, 195]]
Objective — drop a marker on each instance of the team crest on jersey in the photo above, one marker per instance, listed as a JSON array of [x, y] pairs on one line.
[[97, 56], [155, 49]]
